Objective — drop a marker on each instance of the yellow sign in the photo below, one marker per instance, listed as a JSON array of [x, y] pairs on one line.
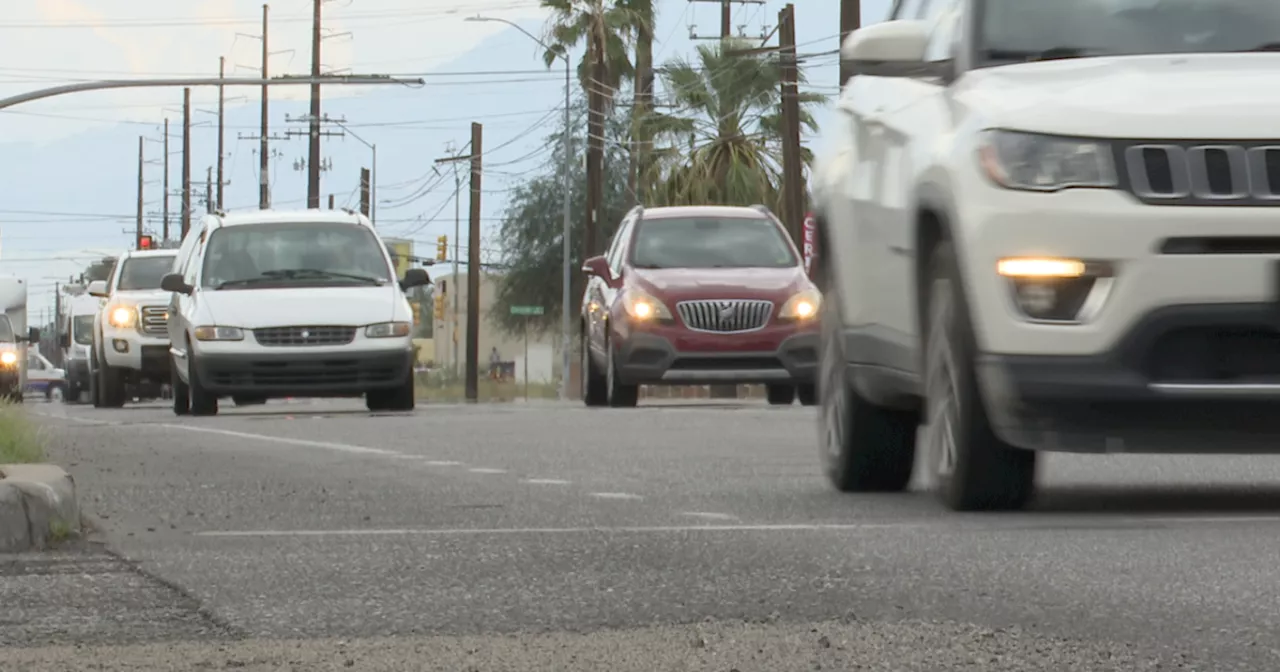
[[401, 251]]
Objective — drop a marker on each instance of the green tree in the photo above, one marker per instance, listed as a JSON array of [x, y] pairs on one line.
[[723, 145], [532, 244]]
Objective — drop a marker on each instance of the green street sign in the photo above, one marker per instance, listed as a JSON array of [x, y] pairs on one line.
[[526, 310]]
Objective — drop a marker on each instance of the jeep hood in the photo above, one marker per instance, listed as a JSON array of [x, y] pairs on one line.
[[301, 306], [1176, 96], [140, 297]]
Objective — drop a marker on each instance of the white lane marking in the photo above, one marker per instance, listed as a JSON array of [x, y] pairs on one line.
[[615, 495], [341, 447], [442, 463], [667, 529], [545, 481], [486, 470], [708, 515]]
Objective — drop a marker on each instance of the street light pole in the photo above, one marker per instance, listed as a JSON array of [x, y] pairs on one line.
[[566, 326]]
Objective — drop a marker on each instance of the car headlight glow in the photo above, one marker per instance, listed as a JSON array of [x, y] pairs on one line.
[[802, 306], [641, 306], [121, 317], [8, 358], [218, 333], [1033, 162], [388, 330]]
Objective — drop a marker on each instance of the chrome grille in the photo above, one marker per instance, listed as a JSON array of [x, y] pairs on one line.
[[322, 335], [155, 320], [1202, 173], [725, 317]]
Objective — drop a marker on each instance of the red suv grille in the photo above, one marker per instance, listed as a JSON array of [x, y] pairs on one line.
[[727, 316]]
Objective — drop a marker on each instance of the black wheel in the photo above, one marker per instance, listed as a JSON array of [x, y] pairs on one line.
[[780, 395], [95, 395], [972, 469], [203, 402], [865, 448], [807, 394], [620, 394], [595, 384], [400, 398], [73, 393], [180, 393], [111, 392]]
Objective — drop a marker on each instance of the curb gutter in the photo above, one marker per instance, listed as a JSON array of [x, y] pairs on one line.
[[38, 505]]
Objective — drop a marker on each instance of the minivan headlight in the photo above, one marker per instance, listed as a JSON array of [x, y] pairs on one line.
[[1034, 162], [216, 333], [388, 330]]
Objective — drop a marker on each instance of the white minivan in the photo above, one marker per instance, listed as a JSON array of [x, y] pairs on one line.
[[305, 303]]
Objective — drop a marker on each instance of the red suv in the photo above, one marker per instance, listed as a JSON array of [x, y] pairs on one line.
[[699, 295]]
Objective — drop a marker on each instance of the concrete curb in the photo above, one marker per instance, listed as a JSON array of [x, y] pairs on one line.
[[38, 505]]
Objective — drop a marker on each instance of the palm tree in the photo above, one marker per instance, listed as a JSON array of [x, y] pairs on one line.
[[642, 17], [604, 26], [725, 142]]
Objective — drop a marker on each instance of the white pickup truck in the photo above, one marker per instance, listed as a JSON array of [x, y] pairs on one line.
[[131, 334]]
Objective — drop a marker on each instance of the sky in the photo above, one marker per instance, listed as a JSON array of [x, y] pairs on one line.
[[68, 165]]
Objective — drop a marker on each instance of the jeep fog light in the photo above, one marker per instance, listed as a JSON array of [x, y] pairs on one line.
[[1066, 291]]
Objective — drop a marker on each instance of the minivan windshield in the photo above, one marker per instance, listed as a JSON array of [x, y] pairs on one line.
[[143, 273], [82, 329], [294, 253], [711, 242], [1029, 30]]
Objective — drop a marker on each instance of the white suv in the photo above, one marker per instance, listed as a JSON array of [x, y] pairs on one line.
[[1050, 225], [130, 337], [302, 304]]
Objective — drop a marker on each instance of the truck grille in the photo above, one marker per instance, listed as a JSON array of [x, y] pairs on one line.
[[725, 317], [296, 336], [155, 320], [1201, 173]]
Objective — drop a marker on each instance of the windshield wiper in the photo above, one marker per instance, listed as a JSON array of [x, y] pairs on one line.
[[1266, 46], [1050, 54], [244, 281], [303, 273]]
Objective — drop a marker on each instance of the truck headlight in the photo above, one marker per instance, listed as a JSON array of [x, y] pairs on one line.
[[388, 330], [641, 306], [215, 333], [122, 317], [8, 359], [1033, 162], [803, 306]]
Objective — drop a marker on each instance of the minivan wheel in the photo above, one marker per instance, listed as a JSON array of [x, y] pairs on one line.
[[203, 402], [972, 469], [400, 398], [180, 392]]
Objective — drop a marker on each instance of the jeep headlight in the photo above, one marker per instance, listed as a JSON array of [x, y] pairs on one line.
[[641, 306], [388, 330], [1033, 162], [217, 333], [122, 317], [802, 306], [8, 359]]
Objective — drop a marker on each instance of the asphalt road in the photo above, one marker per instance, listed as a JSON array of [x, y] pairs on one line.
[[686, 536]]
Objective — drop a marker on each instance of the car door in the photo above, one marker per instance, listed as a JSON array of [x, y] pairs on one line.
[[182, 306], [600, 295]]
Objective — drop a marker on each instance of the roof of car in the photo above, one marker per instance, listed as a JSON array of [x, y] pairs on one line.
[[703, 211], [138, 254], [291, 216]]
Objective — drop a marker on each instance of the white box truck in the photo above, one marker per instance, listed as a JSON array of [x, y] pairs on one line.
[[14, 338]]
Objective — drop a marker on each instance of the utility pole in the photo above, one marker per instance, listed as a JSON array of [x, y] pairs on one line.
[[330, 201], [473, 268], [186, 161], [850, 20], [726, 18], [166, 179], [208, 190], [313, 154], [222, 110], [364, 191], [137, 242], [264, 153], [457, 255], [792, 171]]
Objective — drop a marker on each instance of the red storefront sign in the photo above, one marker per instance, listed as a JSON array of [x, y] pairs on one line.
[[810, 242]]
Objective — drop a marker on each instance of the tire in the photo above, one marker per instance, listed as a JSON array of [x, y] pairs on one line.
[[780, 395], [203, 402], [972, 469], [865, 448], [181, 394], [396, 399], [807, 394], [95, 395], [111, 392], [620, 394], [595, 384], [73, 393], [56, 392]]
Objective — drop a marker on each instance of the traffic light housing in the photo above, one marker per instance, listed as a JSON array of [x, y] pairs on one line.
[[146, 242], [442, 248]]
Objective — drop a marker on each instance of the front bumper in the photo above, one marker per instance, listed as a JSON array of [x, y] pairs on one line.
[[1200, 378], [658, 358], [127, 349], [303, 374]]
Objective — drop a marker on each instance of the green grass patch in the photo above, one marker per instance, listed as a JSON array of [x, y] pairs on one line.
[[21, 441]]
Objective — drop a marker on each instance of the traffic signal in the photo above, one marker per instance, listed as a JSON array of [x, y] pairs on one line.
[[146, 242], [440, 307], [442, 248]]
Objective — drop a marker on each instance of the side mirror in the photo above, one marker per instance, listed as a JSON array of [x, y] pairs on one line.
[[97, 288], [33, 335], [173, 282], [64, 341], [415, 277], [888, 49], [598, 267]]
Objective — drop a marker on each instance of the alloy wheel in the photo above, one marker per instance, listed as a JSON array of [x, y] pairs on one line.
[[941, 384]]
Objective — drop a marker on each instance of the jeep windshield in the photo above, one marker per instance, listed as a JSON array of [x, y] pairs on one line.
[[259, 256], [711, 242], [1013, 31], [143, 273]]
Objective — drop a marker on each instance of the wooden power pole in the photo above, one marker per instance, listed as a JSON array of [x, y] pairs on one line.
[[165, 216], [208, 190], [473, 268], [364, 191], [792, 172], [313, 155], [186, 161], [850, 20], [137, 239], [264, 167], [222, 128]]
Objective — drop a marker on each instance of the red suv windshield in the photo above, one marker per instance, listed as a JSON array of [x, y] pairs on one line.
[[711, 242]]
